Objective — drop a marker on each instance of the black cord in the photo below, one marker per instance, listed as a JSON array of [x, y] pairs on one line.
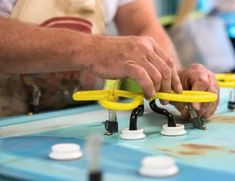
[[159, 110], [133, 118]]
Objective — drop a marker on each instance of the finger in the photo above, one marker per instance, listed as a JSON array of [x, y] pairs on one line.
[[166, 85], [176, 83], [200, 84], [139, 74], [164, 70], [210, 111], [182, 109], [215, 89], [185, 79], [204, 108], [153, 73]]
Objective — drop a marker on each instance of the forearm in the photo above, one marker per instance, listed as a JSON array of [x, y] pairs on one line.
[[31, 49], [162, 38]]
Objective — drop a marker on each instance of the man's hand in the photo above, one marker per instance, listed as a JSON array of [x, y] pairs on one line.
[[58, 50], [137, 58], [197, 77]]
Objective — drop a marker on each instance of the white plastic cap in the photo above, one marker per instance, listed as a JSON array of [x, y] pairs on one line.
[[158, 161], [173, 131], [158, 166], [65, 147], [127, 134], [65, 151]]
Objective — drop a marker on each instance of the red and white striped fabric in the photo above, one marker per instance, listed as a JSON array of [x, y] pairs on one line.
[[73, 23]]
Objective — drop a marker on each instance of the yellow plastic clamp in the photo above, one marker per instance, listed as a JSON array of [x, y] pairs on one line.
[[109, 99], [226, 80], [187, 96]]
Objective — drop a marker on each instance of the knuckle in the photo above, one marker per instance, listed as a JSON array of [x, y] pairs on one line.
[[170, 63], [136, 49], [130, 69], [159, 50], [133, 38], [142, 58], [139, 71], [149, 39], [158, 78], [166, 72], [135, 44], [145, 43], [142, 40], [197, 67], [203, 80], [212, 75], [140, 46]]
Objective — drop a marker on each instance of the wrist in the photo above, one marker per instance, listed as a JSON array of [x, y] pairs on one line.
[[82, 50]]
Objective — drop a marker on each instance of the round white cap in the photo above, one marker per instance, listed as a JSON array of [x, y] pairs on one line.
[[159, 172], [65, 147], [65, 156], [65, 151], [173, 131], [158, 161], [127, 134], [158, 166]]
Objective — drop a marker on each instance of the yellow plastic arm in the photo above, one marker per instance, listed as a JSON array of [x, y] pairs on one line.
[[226, 80], [112, 104], [227, 84], [90, 95], [108, 99], [187, 96]]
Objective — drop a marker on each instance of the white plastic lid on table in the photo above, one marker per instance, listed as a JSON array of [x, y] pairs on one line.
[[173, 131], [65, 151], [158, 166], [127, 134]]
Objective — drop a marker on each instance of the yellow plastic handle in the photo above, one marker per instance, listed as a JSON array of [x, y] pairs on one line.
[[226, 80], [90, 95], [112, 104], [108, 98], [187, 96], [225, 77], [227, 84]]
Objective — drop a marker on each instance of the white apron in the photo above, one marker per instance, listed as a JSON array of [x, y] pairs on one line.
[[51, 90]]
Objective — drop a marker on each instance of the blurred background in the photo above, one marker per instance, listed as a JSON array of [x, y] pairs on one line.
[[203, 31], [225, 9]]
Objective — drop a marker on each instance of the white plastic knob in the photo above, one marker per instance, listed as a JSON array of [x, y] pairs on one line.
[[127, 134], [173, 131], [65, 151], [158, 166]]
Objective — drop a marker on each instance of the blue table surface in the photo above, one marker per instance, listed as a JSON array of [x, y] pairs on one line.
[[200, 155]]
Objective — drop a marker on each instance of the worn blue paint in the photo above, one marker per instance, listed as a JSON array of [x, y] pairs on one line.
[[13, 120], [27, 157]]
